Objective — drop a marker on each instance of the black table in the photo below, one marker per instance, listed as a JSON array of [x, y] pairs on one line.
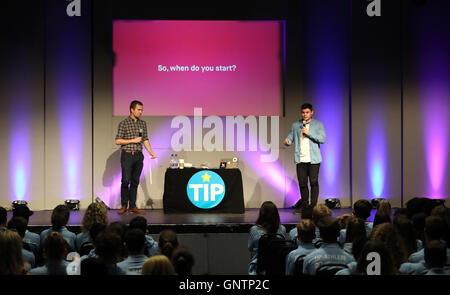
[[175, 198]]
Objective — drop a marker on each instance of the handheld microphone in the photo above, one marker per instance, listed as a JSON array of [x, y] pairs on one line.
[[304, 123], [140, 132]]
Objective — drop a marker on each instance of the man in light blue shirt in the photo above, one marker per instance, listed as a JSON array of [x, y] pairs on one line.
[[329, 252], [30, 238], [307, 136], [305, 235], [135, 242]]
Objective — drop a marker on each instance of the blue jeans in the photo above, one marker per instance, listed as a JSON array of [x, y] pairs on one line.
[[131, 172]]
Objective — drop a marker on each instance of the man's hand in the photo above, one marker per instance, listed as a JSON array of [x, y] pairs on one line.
[[287, 142], [305, 130], [152, 155], [137, 139]]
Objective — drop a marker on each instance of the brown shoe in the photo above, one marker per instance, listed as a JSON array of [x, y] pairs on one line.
[[136, 210], [122, 210]]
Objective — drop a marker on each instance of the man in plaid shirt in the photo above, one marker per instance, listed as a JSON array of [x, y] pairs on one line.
[[131, 134]]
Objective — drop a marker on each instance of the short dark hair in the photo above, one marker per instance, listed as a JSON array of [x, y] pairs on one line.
[[329, 229], [134, 103], [434, 227], [108, 246], [19, 224], [362, 209], [60, 217], [139, 222], [435, 254], [135, 240], [307, 106]]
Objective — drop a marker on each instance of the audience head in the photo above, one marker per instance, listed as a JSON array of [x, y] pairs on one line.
[[168, 241], [158, 265], [435, 254], [418, 221], [361, 209], [23, 211], [95, 213], [269, 218], [306, 231], [93, 267], [11, 259], [319, 212], [183, 261], [60, 217], [356, 228], [384, 207], [138, 222], [381, 218], [343, 220], [135, 241], [18, 224], [3, 216], [387, 234], [387, 266], [108, 246], [55, 247], [95, 230], [329, 229], [405, 229], [306, 212], [434, 228]]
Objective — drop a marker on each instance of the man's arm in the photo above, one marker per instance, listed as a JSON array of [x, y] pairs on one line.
[[121, 141], [149, 149], [290, 138]]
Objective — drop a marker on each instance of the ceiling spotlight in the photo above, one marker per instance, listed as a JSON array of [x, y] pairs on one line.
[[73, 204], [333, 203], [375, 202]]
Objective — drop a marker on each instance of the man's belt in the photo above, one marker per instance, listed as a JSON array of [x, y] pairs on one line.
[[132, 152]]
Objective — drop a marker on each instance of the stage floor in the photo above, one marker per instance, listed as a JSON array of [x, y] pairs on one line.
[[180, 223]]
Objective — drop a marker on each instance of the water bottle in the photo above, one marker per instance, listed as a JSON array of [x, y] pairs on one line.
[[176, 164], [171, 161]]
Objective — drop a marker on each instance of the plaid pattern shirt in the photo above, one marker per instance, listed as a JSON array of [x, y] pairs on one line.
[[128, 129]]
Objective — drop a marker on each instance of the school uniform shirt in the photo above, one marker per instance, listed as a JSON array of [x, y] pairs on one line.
[[69, 236], [91, 254], [348, 271], [348, 248], [420, 256], [81, 238], [303, 249], [326, 254], [409, 268], [440, 271], [133, 263], [255, 234], [29, 257], [152, 246], [34, 240], [56, 269]]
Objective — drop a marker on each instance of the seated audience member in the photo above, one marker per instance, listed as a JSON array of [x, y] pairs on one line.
[[158, 265], [418, 221], [306, 212], [59, 220], [11, 258], [380, 218], [3, 218], [95, 230], [436, 258], [108, 246], [444, 213], [19, 224], [183, 261], [306, 234], [319, 211], [356, 229], [329, 252], [55, 250], [268, 222], [357, 246], [405, 229], [139, 222], [167, 242], [135, 243], [95, 213], [30, 238], [387, 265], [120, 228], [93, 267], [387, 234], [434, 230], [361, 209]]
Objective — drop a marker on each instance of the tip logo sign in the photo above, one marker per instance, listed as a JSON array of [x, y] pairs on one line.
[[206, 189]]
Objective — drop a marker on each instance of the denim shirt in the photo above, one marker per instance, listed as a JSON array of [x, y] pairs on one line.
[[316, 137], [34, 240], [303, 249], [58, 269], [69, 236], [133, 263], [327, 253]]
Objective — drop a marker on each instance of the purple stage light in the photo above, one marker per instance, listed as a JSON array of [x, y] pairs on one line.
[[376, 156]]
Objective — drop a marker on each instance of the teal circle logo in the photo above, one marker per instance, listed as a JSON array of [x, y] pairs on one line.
[[206, 189]]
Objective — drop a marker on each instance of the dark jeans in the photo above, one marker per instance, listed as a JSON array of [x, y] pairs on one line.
[[131, 172], [305, 171]]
